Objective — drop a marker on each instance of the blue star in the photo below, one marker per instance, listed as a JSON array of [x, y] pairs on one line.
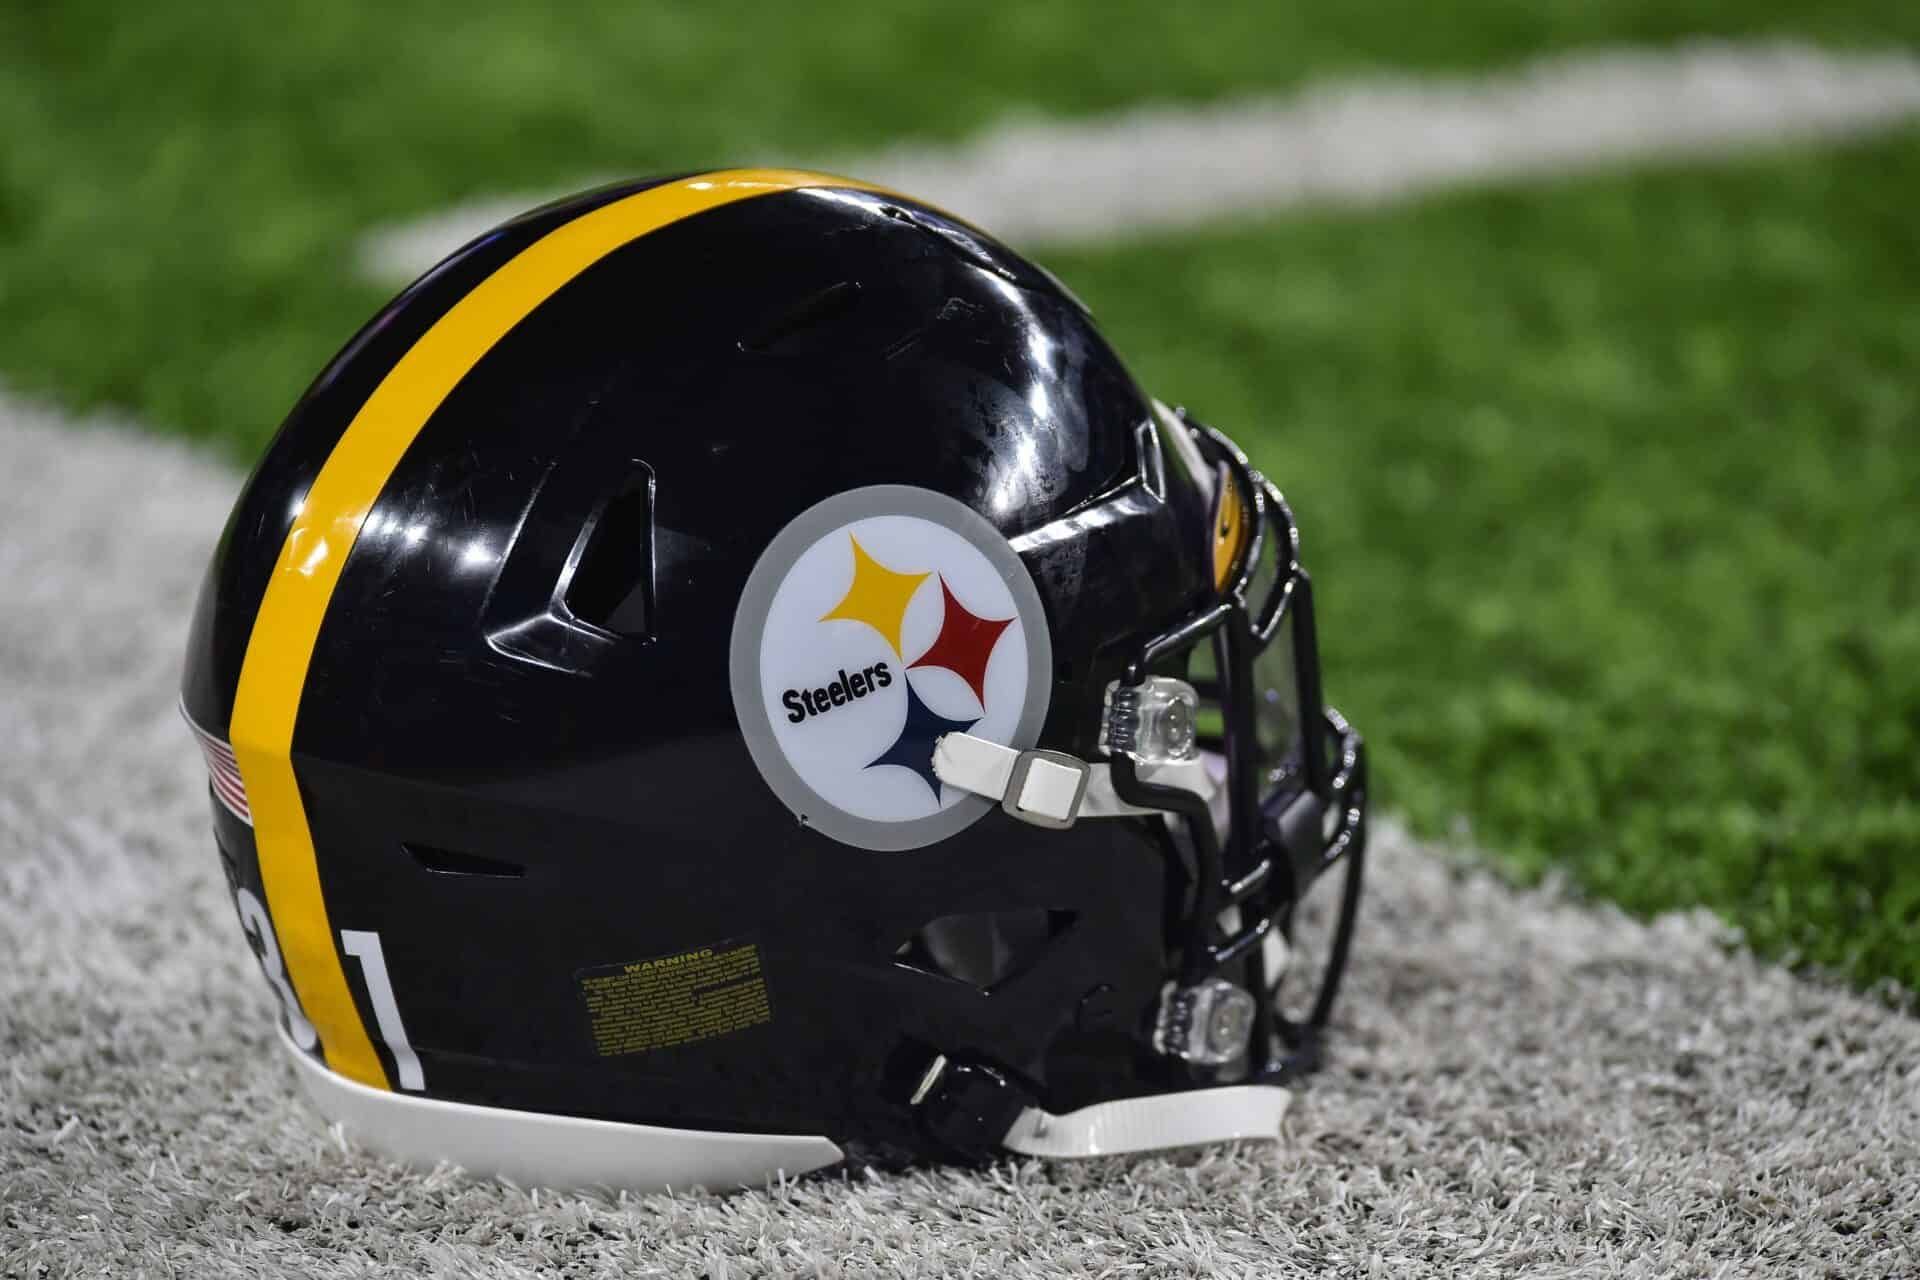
[[913, 749]]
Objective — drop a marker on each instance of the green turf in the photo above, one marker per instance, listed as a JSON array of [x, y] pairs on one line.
[[181, 184], [1612, 485], [1614, 493]]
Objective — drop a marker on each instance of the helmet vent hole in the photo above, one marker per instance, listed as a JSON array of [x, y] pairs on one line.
[[611, 586], [451, 862], [983, 948]]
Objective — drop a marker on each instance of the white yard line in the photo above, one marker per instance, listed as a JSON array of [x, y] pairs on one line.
[[1352, 142]]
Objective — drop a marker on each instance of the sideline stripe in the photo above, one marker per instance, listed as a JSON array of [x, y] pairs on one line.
[[288, 623], [1339, 143]]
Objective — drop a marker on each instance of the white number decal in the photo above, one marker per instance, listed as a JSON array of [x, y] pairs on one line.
[[365, 946], [254, 919]]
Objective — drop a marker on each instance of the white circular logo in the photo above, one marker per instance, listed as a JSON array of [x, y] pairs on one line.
[[875, 622]]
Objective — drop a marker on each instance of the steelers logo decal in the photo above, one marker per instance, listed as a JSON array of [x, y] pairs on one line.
[[875, 622]]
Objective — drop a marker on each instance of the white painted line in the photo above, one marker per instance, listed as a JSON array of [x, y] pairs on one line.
[[1356, 142]]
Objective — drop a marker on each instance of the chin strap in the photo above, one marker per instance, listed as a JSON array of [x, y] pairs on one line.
[[1052, 788], [1153, 1123], [977, 1112]]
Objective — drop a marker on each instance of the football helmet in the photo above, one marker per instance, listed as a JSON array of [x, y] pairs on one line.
[[728, 674]]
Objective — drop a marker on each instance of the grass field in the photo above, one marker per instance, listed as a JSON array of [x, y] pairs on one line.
[[1611, 484]]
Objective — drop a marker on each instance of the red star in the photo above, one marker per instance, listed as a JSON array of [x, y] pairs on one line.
[[964, 644]]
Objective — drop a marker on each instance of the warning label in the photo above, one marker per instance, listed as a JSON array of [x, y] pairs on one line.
[[675, 999]]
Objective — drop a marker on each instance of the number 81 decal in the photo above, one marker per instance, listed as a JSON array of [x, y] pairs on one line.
[[364, 946]]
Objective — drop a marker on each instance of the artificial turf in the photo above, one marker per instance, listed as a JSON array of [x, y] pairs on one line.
[[181, 185], [1613, 490], [1610, 485]]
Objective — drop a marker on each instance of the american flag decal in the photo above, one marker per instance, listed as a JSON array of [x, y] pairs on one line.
[[222, 770]]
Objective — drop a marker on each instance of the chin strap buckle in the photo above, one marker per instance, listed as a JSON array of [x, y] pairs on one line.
[[1044, 788], [967, 1108], [1053, 789]]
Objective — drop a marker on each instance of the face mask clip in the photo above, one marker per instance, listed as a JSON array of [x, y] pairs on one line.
[[1208, 1024], [1155, 722]]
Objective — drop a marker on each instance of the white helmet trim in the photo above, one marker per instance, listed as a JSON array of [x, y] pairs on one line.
[[534, 1149]]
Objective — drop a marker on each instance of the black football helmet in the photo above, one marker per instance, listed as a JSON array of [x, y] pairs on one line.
[[728, 673]]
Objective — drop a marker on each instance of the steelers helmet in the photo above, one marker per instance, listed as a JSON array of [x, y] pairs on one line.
[[728, 675]]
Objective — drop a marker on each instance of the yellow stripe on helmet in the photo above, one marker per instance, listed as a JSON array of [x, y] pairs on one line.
[[280, 647]]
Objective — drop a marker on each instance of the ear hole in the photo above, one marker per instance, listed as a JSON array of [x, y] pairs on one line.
[[451, 862], [611, 586], [983, 948]]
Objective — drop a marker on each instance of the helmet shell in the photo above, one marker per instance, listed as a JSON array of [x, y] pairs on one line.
[[515, 796]]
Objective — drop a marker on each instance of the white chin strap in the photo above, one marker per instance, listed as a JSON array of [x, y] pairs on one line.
[[1153, 1123], [1053, 789]]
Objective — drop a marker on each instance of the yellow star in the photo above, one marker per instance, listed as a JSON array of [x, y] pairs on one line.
[[878, 596]]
